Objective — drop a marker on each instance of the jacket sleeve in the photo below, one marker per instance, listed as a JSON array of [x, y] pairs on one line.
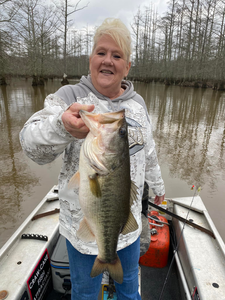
[[153, 175], [44, 137]]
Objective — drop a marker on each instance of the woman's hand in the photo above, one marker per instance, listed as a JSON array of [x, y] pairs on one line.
[[73, 122], [159, 199]]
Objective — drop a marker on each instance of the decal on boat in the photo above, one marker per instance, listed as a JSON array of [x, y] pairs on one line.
[[40, 278]]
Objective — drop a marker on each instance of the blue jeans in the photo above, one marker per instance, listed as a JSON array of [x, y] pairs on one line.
[[84, 287]]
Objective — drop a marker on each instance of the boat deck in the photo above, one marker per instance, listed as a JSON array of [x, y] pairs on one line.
[[199, 260], [152, 282]]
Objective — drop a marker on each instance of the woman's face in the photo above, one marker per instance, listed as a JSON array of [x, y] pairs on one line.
[[108, 66]]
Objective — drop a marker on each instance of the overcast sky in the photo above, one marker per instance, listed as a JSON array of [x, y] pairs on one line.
[[98, 10]]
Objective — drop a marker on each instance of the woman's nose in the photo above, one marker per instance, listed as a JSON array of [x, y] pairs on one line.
[[108, 59]]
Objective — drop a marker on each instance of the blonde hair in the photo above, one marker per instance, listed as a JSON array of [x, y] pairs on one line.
[[118, 32]]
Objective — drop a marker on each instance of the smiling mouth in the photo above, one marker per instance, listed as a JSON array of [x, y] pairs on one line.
[[106, 72]]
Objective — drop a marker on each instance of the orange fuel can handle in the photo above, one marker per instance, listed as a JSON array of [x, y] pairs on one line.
[[157, 254]]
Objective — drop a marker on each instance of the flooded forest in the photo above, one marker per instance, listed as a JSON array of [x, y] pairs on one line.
[[185, 45]]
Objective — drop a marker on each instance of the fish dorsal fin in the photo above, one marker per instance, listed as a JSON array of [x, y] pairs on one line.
[[74, 180], [133, 193], [84, 232], [94, 185], [131, 225]]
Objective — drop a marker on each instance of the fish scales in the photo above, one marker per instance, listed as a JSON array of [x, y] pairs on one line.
[[114, 212], [105, 188]]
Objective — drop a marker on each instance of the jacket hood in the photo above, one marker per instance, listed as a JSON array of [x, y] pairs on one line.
[[126, 84]]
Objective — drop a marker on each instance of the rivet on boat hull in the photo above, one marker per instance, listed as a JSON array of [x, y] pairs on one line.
[[3, 295]]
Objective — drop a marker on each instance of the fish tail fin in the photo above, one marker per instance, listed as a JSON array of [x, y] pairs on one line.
[[115, 269]]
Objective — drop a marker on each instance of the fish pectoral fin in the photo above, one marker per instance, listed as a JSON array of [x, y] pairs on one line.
[[74, 180], [131, 225], [115, 269], [84, 232], [94, 185], [133, 193]]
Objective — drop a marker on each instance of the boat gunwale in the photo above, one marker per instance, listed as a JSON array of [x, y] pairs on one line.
[[16, 235]]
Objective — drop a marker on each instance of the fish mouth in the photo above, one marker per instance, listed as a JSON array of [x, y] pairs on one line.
[[106, 71]]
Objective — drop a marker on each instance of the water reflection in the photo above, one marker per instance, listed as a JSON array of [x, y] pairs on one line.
[[19, 177], [13, 178], [189, 130]]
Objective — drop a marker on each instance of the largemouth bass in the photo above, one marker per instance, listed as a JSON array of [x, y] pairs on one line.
[[106, 191]]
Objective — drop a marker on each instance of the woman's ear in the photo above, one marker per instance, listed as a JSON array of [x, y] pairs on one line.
[[127, 69]]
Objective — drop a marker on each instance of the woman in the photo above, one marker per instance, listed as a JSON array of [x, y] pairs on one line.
[[58, 129]]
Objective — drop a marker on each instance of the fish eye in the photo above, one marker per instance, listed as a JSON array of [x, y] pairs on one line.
[[122, 131]]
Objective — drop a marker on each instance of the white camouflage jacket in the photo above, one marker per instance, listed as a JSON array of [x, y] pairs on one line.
[[44, 138]]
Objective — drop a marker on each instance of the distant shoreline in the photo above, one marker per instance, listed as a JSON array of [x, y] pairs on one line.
[[218, 85]]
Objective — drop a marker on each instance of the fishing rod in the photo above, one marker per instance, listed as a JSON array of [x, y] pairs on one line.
[[185, 221], [209, 232]]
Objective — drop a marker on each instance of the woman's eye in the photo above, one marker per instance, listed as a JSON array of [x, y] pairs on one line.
[[101, 53], [117, 56]]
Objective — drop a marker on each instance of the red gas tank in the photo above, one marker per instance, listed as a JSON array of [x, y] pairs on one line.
[[157, 254]]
